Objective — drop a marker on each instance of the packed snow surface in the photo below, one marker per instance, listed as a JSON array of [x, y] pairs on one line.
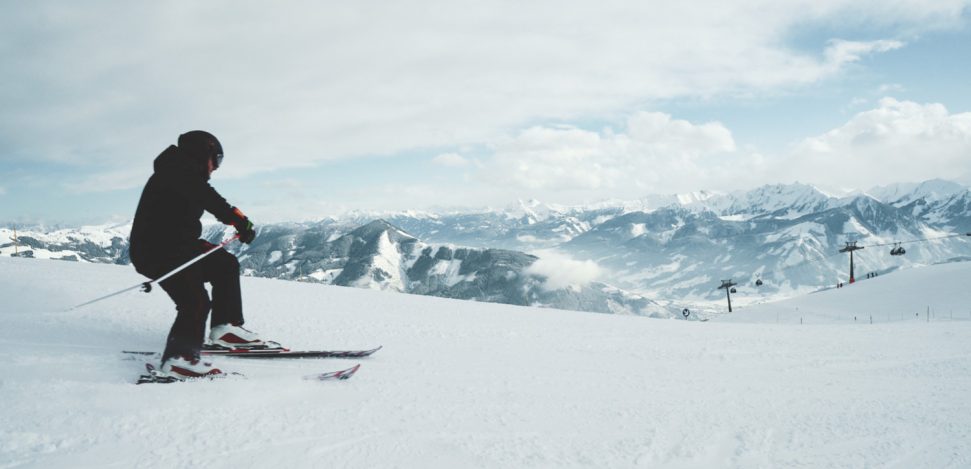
[[464, 384]]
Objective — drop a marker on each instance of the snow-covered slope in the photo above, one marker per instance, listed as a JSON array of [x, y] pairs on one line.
[[463, 384], [907, 295]]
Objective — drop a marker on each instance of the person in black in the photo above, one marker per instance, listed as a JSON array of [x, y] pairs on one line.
[[167, 233]]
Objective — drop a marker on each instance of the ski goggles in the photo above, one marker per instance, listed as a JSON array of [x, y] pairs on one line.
[[217, 160]]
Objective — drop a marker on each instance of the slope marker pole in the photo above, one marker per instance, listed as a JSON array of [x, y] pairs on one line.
[[16, 243]]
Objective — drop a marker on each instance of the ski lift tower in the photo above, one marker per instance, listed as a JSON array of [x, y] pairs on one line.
[[727, 285], [850, 247]]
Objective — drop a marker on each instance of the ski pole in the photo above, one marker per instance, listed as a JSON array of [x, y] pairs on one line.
[[147, 286]]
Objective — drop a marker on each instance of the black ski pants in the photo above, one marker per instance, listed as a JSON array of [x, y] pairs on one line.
[[187, 289]]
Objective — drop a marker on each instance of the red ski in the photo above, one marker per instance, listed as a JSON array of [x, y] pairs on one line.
[[276, 353], [155, 376], [287, 353], [342, 374]]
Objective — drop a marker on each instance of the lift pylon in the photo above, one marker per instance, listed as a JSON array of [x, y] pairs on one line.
[[850, 247], [727, 285]]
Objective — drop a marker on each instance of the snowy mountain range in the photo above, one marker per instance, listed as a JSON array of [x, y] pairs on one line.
[[672, 249], [381, 256]]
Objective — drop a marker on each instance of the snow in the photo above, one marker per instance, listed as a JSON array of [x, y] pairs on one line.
[[449, 270], [466, 384], [736, 217], [934, 190], [905, 295], [388, 261], [325, 276], [854, 227], [694, 197], [101, 235]]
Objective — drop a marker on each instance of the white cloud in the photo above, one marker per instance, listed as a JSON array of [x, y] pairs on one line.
[[284, 184], [290, 87], [562, 271], [109, 180], [653, 153], [452, 160], [888, 88], [661, 134], [840, 52], [552, 158], [857, 103], [896, 142]]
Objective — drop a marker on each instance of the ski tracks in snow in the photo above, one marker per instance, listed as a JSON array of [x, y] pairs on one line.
[[464, 384]]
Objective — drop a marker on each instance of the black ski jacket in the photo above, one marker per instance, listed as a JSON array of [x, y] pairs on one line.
[[167, 224]]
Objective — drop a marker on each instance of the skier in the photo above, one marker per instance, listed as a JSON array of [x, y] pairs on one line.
[[166, 233]]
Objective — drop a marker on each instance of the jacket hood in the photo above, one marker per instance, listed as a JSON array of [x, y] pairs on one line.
[[174, 159]]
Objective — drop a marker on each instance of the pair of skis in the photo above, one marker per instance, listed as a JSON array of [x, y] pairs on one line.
[[156, 376], [280, 352]]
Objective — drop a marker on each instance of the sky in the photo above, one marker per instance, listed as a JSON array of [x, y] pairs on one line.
[[324, 107]]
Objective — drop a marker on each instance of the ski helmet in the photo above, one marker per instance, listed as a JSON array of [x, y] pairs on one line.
[[202, 147]]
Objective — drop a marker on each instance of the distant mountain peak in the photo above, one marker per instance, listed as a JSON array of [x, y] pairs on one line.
[[688, 198], [532, 211], [931, 191], [783, 200], [380, 226]]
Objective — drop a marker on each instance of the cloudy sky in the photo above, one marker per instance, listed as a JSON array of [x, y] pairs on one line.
[[324, 107]]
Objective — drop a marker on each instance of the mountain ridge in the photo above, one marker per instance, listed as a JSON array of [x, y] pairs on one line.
[[786, 235]]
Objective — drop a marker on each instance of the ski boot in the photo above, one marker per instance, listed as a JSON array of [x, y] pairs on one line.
[[233, 337], [182, 368]]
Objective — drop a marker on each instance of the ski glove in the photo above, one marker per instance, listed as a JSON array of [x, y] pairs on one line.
[[244, 227]]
